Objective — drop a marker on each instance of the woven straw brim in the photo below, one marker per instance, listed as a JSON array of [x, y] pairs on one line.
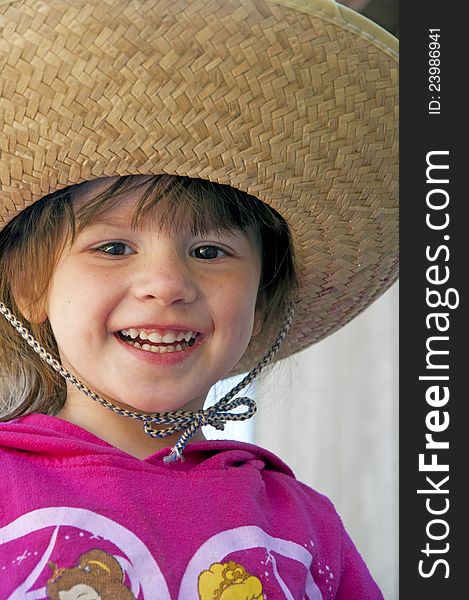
[[292, 101]]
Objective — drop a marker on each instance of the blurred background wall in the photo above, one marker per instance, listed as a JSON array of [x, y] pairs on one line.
[[383, 12], [331, 412]]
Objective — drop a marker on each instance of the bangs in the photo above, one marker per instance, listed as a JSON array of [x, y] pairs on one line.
[[180, 203]]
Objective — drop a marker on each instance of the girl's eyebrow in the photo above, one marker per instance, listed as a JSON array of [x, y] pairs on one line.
[[119, 222], [108, 221], [123, 223]]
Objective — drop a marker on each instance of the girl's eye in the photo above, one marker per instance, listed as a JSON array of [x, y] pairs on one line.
[[114, 249], [208, 252]]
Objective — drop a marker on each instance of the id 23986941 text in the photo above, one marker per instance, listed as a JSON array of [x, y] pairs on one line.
[[434, 72]]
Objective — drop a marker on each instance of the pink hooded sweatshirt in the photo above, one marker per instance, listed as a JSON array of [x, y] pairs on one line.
[[82, 520]]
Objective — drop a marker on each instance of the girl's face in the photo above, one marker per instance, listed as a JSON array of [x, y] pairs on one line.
[[192, 297]]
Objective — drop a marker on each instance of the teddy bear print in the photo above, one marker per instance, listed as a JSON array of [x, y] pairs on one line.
[[98, 576], [228, 581]]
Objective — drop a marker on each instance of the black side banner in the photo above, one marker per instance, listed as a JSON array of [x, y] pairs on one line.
[[433, 336]]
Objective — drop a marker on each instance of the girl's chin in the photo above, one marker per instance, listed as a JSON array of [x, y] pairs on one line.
[[158, 406]]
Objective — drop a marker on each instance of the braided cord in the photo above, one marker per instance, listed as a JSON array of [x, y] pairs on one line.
[[189, 421]]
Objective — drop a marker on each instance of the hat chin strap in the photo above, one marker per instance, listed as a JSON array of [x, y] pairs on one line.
[[187, 421]]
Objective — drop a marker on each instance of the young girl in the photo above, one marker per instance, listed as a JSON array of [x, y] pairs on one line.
[[190, 190]]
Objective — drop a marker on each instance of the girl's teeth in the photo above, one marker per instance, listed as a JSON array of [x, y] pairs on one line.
[[159, 349], [186, 339], [169, 338]]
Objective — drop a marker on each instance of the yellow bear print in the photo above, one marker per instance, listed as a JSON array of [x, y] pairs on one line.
[[228, 581]]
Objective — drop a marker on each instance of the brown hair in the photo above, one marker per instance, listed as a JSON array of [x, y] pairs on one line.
[[32, 242]]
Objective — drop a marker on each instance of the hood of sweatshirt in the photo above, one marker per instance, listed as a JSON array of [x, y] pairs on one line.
[[46, 437]]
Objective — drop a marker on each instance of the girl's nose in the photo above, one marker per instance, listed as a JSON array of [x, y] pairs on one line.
[[166, 282]]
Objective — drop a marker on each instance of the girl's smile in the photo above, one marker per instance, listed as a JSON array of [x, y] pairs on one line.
[[156, 348], [150, 318]]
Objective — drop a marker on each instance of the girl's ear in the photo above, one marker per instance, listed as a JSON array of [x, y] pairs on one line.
[[259, 314], [36, 315], [33, 312]]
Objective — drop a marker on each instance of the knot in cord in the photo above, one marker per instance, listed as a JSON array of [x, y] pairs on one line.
[[216, 416]]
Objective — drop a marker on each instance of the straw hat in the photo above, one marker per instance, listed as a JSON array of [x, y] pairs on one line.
[[292, 101]]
